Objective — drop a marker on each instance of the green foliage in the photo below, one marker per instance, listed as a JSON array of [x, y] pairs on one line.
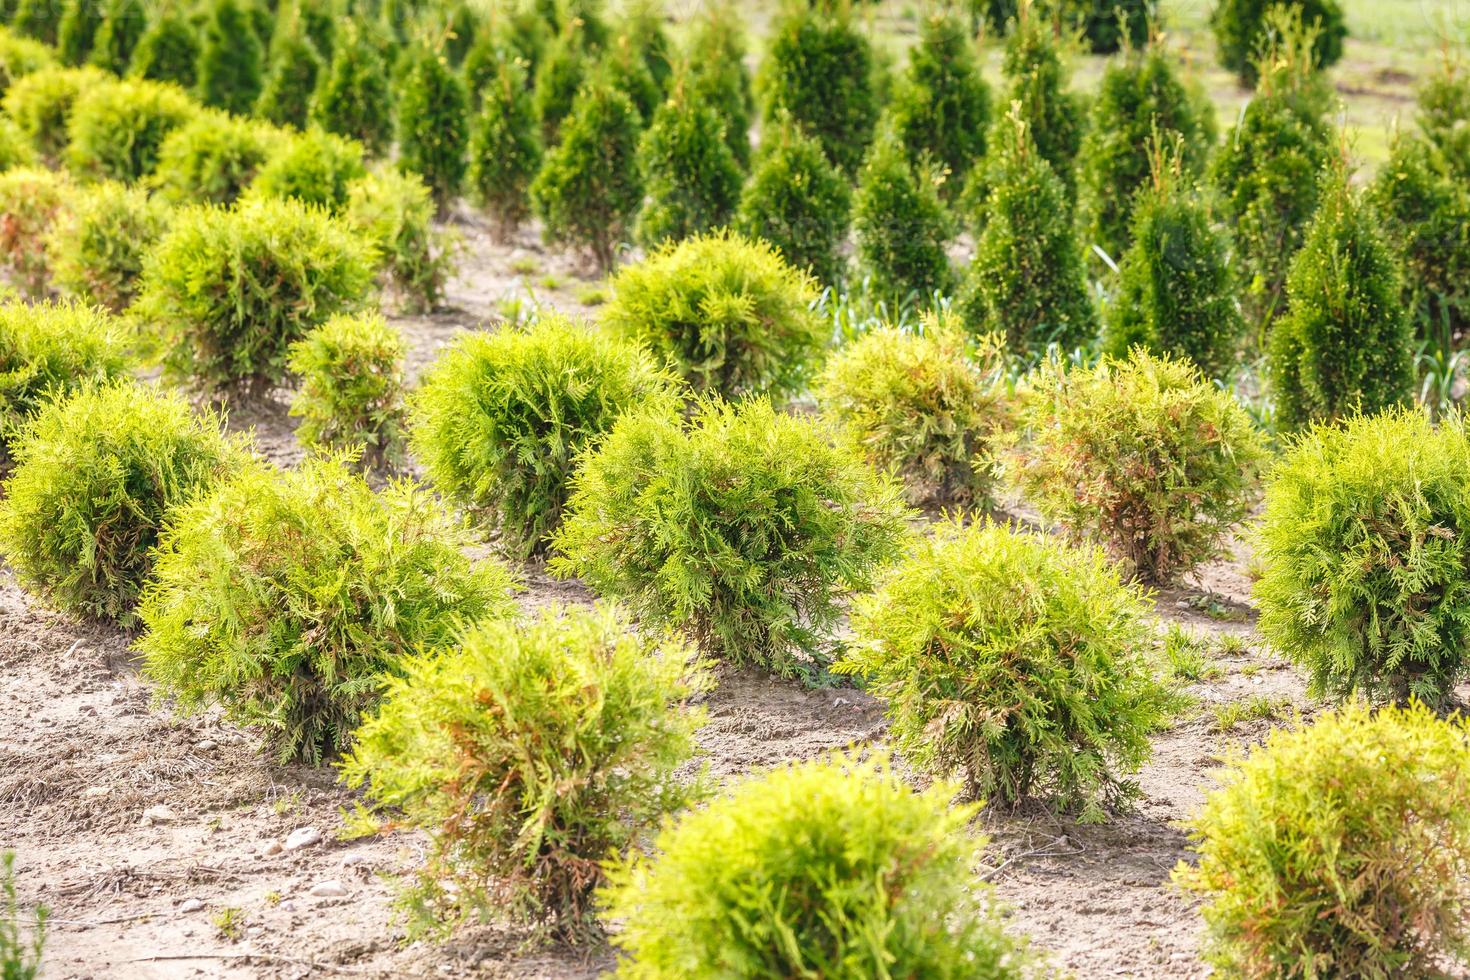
[[41, 105], [622, 66], [433, 108], [901, 224], [1363, 569], [1015, 661], [213, 158], [1244, 27], [15, 147], [923, 405], [230, 290], [352, 391], [31, 198], [500, 419], [1344, 344], [315, 167], [1027, 281], [168, 51], [123, 22], [230, 58], [290, 597], [1339, 849], [352, 96], [504, 151], [1112, 25], [22, 56], [690, 177], [395, 212], [1037, 78], [116, 128], [1146, 456], [51, 351], [560, 76], [717, 77], [797, 201], [1176, 293], [1142, 103], [20, 955], [740, 525], [1444, 113], [831, 868], [292, 72], [588, 188], [941, 109], [818, 67], [98, 475], [643, 28], [528, 755], [729, 314], [77, 29], [35, 22], [98, 242]]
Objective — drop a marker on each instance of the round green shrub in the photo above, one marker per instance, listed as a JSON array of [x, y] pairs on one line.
[[901, 225], [352, 96], [214, 158], [729, 314], [1146, 456], [432, 114], [1339, 849], [116, 128], [941, 109], [50, 351], [818, 68], [588, 188], [168, 50], [831, 867], [351, 398], [230, 290], [740, 525], [504, 150], [1037, 89], [98, 243], [395, 211], [98, 475], [1243, 27], [529, 754], [1364, 575], [31, 199], [288, 598], [230, 58], [500, 419], [797, 201], [1344, 344], [118, 34], [41, 105], [1016, 662], [714, 56], [314, 167], [929, 406], [690, 178]]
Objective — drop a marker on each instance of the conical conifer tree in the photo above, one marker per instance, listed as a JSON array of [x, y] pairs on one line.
[[690, 177], [432, 129], [168, 51], [559, 77], [1444, 113], [292, 73], [796, 200], [122, 26], [941, 108], [818, 67], [1344, 344], [717, 75], [901, 224], [1037, 80], [1243, 27], [229, 73], [77, 30], [39, 19], [352, 96], [643, 26], [504, 152], [1027, 281], [623, 67], [1176, 293]]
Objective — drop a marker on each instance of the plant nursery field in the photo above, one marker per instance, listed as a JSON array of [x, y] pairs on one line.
[[561, 489]]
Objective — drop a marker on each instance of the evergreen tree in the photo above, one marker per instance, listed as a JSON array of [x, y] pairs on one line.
[[941, 109], [1141, 97], [819, 67], [291, 75], [504, 152], [432, 131], [463, 24], [77, 30], [122, 26], [352, 96], [1344, 344], [39, 19], [588, 190], [901, 224], [559, 77], [1027, 282], [718, 78], [643, 26], [1037, 80], [229, 58], [1176, 294], [1444, 114], [624, 68], [690, 177], [1243, 27], [168, 51], [796, 200]]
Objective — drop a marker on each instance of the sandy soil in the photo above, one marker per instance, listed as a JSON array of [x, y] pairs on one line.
[[159, 842]]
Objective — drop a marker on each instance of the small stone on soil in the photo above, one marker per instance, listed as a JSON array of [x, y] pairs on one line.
[[273, 848], [303, 837], [330, 888], [190, 905], [161, 813]]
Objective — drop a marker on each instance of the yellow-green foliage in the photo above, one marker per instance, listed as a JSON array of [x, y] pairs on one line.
[[1363, 558], [116, 128], [30, 200], [99, 240], [499, 421], [1145, 456], [728, 313], [741, 525], [529, 754], [927, 405], [22, 56], [214, 158], [831, 868], [97, 476], [15, 148], [352, 390], [289, 597], [41, 105], [314, 167], [1016, 661], [395, 212], [1340, 849]]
